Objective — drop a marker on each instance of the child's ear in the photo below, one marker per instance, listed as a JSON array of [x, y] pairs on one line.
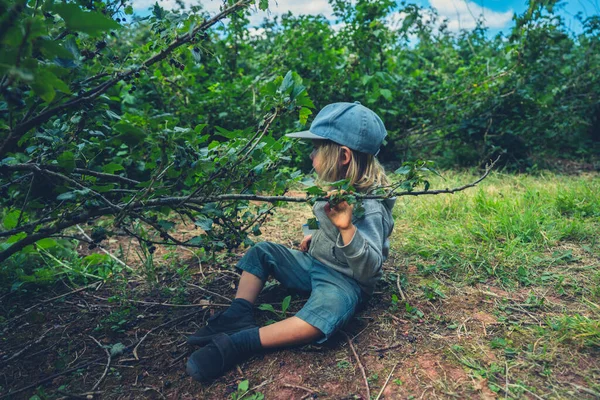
[[345, 155]]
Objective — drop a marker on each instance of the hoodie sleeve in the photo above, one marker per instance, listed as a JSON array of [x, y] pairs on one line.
[[364, 252]]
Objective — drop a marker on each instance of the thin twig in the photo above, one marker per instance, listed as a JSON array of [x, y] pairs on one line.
[[52, 299], [209, 292], [400, 288], [360, 365], [386, 382], [392, 347], [51, 377], [160, 326], [105, 251], [153, 303], [18, 353], [586, 390], [527, 390], [107, 363], [309, 390]]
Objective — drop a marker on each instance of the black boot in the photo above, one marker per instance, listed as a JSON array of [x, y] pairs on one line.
[[236, 318], [222, 353]]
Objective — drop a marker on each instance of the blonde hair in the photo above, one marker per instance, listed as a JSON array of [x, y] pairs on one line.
[[364, 172]]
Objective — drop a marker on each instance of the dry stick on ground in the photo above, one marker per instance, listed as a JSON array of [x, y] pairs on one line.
[[107, 363], [82, 396], [400, 288], [152, 303], [51, 377], [362, 369], [52, 299], [18, 353], [309, 390], [386, 382], [208, 291], [392, 347], [584, 389], [160, 326]]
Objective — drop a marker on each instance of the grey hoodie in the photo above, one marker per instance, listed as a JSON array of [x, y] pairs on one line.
[[362, 258]]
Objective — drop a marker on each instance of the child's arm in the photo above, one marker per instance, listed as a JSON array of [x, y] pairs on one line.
[[364, 250], [362, 245]]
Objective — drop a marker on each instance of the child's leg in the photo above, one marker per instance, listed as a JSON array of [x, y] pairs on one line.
[[249, 287], [291, 267], [289, 332]]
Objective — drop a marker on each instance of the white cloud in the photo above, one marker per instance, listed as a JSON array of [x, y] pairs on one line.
[[463, 14], [276, 7]]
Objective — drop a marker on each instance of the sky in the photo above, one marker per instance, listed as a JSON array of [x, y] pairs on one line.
[[460, 13]]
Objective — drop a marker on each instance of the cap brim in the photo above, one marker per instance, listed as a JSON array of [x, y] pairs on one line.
[[304, 135]]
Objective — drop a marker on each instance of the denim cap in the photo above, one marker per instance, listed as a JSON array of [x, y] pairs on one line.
[[348, 124]]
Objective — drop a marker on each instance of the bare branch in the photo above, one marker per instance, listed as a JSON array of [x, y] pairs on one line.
[[140, 206]]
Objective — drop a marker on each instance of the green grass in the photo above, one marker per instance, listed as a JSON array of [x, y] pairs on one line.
[[501, 229], [534, 240]]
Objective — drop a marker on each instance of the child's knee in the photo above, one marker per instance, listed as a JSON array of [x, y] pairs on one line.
[[257, 260]]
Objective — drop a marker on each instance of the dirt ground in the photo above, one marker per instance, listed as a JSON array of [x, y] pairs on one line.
[[125, 340]]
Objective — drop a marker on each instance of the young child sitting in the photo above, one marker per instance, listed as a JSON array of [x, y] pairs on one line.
[[339, 264]]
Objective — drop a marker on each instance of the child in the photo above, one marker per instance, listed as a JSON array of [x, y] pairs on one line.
[[339, 264]]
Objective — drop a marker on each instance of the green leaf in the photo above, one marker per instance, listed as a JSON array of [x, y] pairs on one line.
[[17, 237], [267, 307], [11, 219], [113, 115], [243, 386], [204, 223], [84, 21], [112, 168], [404, 170], [45, 243], [67, 161], [43, 89], [386, 93], [166, 225], [117, 349], [158, 11], [46, 83], [304, 101], [51, 49], [285, 304], [96, 258], [312, 223], [304, 113], [263, 5], [287, 83], [66, 196], [130, 134], [196, 240], [315, 191]]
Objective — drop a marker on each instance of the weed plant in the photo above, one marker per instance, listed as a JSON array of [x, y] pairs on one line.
[[502, 229]]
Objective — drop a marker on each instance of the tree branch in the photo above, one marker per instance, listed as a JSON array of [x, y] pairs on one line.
[[137, 207], [18, 131]]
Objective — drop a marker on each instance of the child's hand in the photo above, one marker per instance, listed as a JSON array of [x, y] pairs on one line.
[[340, 214], [305, 244]]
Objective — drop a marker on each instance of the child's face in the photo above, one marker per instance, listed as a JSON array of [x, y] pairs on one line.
[[316, 157]]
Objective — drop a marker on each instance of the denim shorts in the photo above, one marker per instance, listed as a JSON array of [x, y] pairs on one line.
[[334, 297]]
